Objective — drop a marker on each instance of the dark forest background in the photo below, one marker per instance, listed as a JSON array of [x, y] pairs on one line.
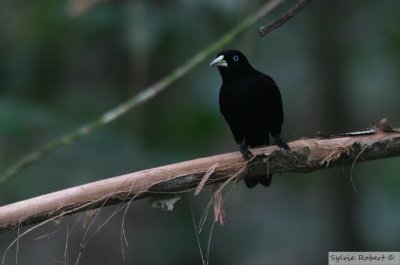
[[63, 63]]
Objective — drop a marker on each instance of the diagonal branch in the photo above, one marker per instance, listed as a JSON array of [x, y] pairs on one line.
[[142, 97], [307, 155], [284, 18]]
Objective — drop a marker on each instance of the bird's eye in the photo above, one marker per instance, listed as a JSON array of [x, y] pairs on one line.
[[236, 58]]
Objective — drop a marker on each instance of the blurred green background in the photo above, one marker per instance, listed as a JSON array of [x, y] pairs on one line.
[[63, 63]]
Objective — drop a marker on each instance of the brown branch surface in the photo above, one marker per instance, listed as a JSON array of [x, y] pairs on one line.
[[306, 155], [282, 19]]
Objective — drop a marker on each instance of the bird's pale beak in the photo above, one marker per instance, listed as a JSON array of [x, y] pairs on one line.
[[219, 61]]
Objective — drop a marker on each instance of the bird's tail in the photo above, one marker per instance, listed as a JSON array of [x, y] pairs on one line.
[[263, 180]]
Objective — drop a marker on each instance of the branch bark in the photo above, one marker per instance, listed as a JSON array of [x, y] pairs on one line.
[[263, 31], [306, 155]]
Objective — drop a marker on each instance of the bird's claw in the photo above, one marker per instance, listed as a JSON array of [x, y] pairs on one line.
[[246, 153], [281, 143]]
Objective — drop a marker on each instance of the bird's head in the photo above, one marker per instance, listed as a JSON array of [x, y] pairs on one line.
[[231, 62]]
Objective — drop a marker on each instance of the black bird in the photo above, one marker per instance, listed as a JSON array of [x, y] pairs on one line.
[[251, 103]]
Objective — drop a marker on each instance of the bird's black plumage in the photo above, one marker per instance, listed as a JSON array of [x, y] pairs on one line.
[[251, 103]]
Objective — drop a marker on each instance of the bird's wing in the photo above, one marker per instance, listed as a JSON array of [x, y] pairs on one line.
[[230, 108], [268, 92]]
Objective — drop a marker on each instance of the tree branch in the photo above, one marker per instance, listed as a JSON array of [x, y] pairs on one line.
[[27, 160], [306, 155], [263, 31]]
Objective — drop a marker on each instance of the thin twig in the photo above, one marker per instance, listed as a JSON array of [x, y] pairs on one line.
[[66, 260], [17, 247], [352, 167], [209, 244], [263, 31], [197, 234]]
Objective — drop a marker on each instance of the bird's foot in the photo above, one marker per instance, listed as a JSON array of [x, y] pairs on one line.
[[246, 153], [281, 143]]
